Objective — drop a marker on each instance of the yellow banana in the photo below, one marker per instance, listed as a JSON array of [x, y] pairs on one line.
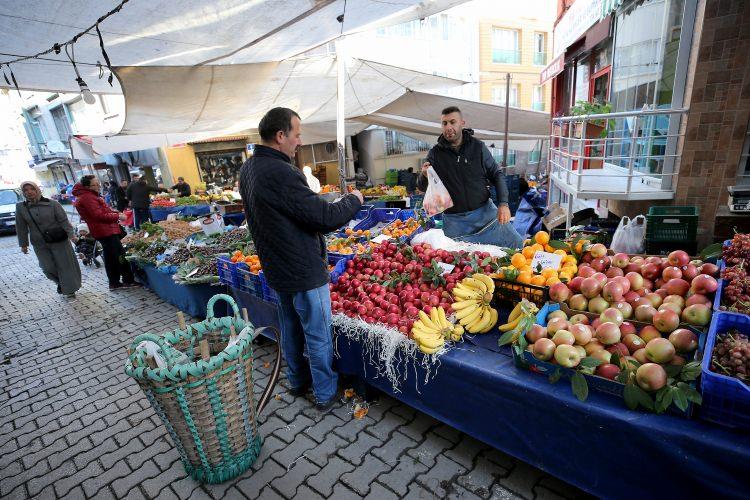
[[509, 326], [515, 312], [478, 324], [491, 323], [465, 293], [427, 321], [486, 280], [443, 320], [463, 304], [458, 330], [455, 337], [428, 350], [430, 340], [470, 318], [435, 318], [460, 315], [480, 286]]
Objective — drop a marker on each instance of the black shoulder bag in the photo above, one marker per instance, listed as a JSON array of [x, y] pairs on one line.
[[55, 234]]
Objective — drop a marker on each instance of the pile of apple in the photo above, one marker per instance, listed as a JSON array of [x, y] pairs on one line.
[[660, 290], [568, 341]]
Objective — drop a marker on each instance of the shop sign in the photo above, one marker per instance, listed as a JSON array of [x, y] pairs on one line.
[[545, 260], [580, 17], [551, 71]]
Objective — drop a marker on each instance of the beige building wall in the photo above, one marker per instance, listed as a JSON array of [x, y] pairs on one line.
[[525, 74]]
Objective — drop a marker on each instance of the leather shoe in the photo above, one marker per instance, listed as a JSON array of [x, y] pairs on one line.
[[327, 406], [299, 391]]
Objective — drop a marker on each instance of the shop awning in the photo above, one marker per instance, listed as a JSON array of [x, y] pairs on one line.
[[44, 165], [82, 150], [184, 33]]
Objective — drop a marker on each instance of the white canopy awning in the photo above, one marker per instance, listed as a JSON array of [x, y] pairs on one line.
[[184, 33], [44, 165]]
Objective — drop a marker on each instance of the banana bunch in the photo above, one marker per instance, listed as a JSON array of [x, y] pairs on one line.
[[521, 319], [431, 331], [472, 299]]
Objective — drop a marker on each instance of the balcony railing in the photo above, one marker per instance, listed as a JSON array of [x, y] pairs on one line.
[[537, 106], [500, 56], [540, 58], [626, 156]]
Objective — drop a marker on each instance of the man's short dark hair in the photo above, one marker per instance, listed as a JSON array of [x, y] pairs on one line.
[[180, 178], [451, 109], [86, 180], [277, 119]]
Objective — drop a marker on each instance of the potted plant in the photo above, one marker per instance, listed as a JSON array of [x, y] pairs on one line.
[[595, 129]]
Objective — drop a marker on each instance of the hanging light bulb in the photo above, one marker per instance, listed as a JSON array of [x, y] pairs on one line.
[[88, 97]]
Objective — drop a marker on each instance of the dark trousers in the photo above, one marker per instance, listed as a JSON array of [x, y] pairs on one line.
[[114, 260], [140, 215]]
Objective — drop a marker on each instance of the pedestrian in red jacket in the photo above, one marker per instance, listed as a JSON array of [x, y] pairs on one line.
[[104, 226]]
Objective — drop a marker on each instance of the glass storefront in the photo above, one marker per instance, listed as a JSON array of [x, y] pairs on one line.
[[220, 169]]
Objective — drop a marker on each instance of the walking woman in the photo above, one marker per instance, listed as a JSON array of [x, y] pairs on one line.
[[104, 227], [45, 222]]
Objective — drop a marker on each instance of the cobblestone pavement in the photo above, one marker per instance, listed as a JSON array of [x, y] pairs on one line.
[[73, 425]]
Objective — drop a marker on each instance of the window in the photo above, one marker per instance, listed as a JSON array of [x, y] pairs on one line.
[[743, 174], [538, 98], [498, 95], [535, 155], [582, 81], [505, 46], [412, 29], [397, 143], [497, 155], [62, 124], [540, 49]]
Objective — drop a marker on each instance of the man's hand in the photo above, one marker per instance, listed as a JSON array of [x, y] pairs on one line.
[[122, 217], [425, 166], [25, 249], [358, 195], [503, 214]]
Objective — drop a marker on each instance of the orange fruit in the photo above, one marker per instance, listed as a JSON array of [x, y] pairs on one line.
[[524, 277], [548, 248], [542, 237], [561, 253], [569, 259], [526, 243], [548, 272], [564, 275], [552, 280], [528, 253], [518, 260], [527, 268], [538, 280], [537, 247]]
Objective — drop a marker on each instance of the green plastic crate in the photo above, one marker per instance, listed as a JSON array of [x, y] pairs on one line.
[[672, 223]]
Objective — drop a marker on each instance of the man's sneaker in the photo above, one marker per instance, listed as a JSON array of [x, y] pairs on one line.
[[130, 285], [299, 391], [115, 287], [70, 295], [327, 406]]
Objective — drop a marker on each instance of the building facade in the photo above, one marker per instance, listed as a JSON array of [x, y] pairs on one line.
[[677, 76]]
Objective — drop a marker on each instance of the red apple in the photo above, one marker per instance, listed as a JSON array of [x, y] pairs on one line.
[[581, 350], [535, 333], [709, 269], [645, 313], [651, 377], [703, 284], [697, 314], [611, 315], [648, 285], [581, 333], [607, 370], [666, 320], [633, 342], [575, 284], [634, 267], [585, 271], [678, 360], [697, 298], [684, 340], [650, 271], [597, 305], [563, 337], [631, 297], [598, 250], [544, 349], [556, 324], [675, 299], [677, 287], [689, 272], [660, 350], [600, 264], [579, 318], [640, 356], [621, 260], [671, 272], [591, 287], [608, 333], [593, 346], [612, 292], [678, 258], [559, 292], [655, 299], [614, 272], [595, 324], [625, 308], [578, 302], [659, 283], [649, 333], [602, 355], [661, 292], [619, 348], [627, 327], [567, 356], [624, 283], [557, 314], [672, 307], [601, 278]]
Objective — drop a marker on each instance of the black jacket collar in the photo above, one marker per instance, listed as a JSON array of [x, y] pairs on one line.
[[261, 150], [468, 136]]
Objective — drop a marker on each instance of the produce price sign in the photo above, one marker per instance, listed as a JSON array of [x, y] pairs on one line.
[[544, 260]]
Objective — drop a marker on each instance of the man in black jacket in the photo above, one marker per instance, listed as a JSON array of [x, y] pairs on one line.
[[121, 199], [138, 194], [466, 167], [182, 187], [288, 221]]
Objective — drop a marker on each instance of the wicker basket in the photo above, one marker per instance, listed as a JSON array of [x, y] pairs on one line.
[[206, 403]]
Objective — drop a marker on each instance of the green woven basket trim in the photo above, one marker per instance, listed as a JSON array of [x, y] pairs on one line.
[[170, 429], [191, 426], [247, 412], [227, 471], [221, 418]]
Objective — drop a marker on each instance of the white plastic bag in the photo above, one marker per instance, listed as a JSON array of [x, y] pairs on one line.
[[312, 182], [437, 199], [212, 224], [629, 235]]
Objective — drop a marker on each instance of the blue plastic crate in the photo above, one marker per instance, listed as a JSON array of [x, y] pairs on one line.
[[377, 216], [227, 271], [334, 257], [249, 282], [726, 400], [362, 214], [338, 270], [595, 383], [269, 294]]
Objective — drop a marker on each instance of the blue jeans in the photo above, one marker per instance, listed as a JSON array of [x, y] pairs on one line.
[[481, 226], [305, 318], [140, 215]]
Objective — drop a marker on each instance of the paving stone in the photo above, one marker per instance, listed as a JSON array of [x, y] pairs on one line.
[[387, 424], [448, 432], [287, 455], [296, 474], [466, 451], [271, 445], [152, 487], [269, 494], [359, 448], [561, 488], [501, 493], [522, 479], [304, 492], [64, 486], [93, 485], [379, 492], [341, 492], [320, 454], [439, 478], [417, 492], [322, 429], [429, 449], [392, 450], [481, 477], [324, 481], [252, 485], [458, 492], [361, 477], [418, 427], [122, 486]]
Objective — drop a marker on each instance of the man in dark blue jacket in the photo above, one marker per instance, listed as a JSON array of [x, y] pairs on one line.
[[466, 168], [287, 222]]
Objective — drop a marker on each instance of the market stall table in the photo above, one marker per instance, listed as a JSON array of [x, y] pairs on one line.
[[597, 445], [234, 219]]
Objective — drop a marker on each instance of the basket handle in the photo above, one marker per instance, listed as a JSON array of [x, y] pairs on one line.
[[166, 349], [275, 371], [212, 301]]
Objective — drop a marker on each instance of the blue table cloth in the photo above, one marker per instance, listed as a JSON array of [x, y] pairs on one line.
[[598, 445], [191, 299], [234, 219], [195, 210], [160, 214]]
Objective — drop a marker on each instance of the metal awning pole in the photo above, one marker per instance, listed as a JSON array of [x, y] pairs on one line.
[[340, 112], [505, 139]]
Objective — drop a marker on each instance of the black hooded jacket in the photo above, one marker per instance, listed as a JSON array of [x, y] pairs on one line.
[[466, 173]]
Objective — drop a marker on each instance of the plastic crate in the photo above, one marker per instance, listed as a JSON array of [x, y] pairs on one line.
[[671, 223], [227, 271], [665, 247], [726, 400], [268, 293], [334, 257], [511, 292], [249, 282], [404, 215], [378, 216], [338, 270], [526, 360]]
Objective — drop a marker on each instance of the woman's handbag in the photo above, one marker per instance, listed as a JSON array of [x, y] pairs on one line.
[[55, 234]]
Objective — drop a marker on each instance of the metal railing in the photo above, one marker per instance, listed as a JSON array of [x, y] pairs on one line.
[[501, 56], [540, 58], [624, 155]]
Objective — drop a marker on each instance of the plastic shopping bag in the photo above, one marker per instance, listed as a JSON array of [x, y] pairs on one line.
[[630, 235], [436, 198]]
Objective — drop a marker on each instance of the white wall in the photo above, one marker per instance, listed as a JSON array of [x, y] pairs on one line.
[[14, 146], [372, 156]]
